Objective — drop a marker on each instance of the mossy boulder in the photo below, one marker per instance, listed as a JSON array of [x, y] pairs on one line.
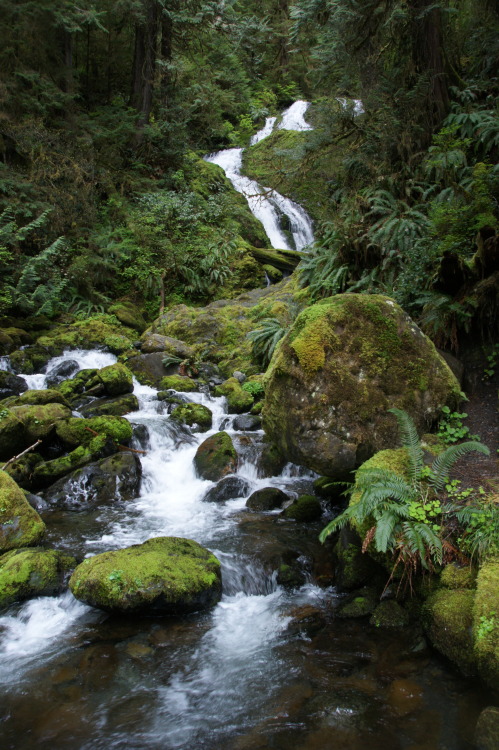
[[167, 345], [361, 603], [486, 622], [227, 489], [73, 388], [389, 614], [487, 729], [180, 383], [47, 472], [216, 457], [342, 365], [455, 576], [21, 470], [114, 407], [268, 498], [304, 509], [20, 524], [165, 575], [448, 621], [194, 414], [11, 385], [97, 331], [12, 438], [273, 274], [149, 368], [114, 478], [353, 567], [39, 398], [25, 573], [115, 379], [76, 431], [30, 359], [40, 421], [238, 400], [128, 314]]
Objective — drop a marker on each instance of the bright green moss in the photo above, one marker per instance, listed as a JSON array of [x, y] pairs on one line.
[[25, 573], [180, 383], [238, 399], [76, 431], [304, 509], [192, 414], [486, 622], [20, 524], [39, 421], [448, 619], [216, 457]]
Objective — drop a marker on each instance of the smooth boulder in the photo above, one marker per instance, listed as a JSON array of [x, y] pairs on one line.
[[227, 489], [342, 365], [216, 457], [269, 498], [165, 575]]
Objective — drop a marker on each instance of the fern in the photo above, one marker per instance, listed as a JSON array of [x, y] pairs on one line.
[[265, 339], [446, 460], [410, 441]]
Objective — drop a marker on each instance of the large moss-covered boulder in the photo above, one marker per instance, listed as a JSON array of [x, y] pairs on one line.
[[165, 575], [114, 478], [115, 380], [238, 400], [167, 345], [128, 314], [25, 573], [268, 498], [193, 414], [11, 434], [114, 407], [181, 383], [20, 524], [97, 331], [73, 388], [216, 457], [448, 621], [486, 622], [39, 421], [47, 472], [77, 431], [342, 365], [39, 398], [304, 509]]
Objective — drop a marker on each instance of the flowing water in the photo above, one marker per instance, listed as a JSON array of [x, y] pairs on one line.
[[270, 207], [266, 668]]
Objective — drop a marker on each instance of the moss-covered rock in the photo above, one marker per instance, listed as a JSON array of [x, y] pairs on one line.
[[98, 330], [12, 438], [180, 383], [273, 274], [47, 472], [305, 508], [193, 414], [114, 478], [216, 457], [360, 604], [448, 620], [149, 368], [455, 576], [116, 379], [40, 421], [486, 622], [268, 498], [73, 388], [25, 573], [238, 400], [343, 364], [76, 431], [20, 524], [21, 470], [487, 729], [353, 567], [128, 314], [114, 407], [164, 575], [154, 342], [389, 614], [40, 398]]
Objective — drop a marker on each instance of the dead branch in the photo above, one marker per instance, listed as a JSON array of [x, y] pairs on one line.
[[14, 458]]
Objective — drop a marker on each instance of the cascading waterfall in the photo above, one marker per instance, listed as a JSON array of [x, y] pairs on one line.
[[267, 205]]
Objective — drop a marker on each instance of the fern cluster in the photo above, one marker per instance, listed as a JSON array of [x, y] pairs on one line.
[[406, 515]]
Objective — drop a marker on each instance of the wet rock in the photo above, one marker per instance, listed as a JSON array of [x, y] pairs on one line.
[[291, 574], [304, 509], [36, 501], [216, 457], [227, 489], [25, 573], [154, 342], [389, 614], [239, 376], [487, 729], [405, 696], [165, 575], [141, 439], [353, 568], [268, 498], [338, 370], [194, 414], [360, 604], [63, 371], [148, 368], [11, 385], [271, 462], [307, 621], [448, 620], [247, 423], [238, 400], [116, 407], [114, 478], [20, 524]]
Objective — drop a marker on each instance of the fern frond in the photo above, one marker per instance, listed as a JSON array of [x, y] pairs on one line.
[[411, 442], [446, 460], [385, 530]]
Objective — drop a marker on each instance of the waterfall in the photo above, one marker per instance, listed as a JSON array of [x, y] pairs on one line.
[[267, 205]]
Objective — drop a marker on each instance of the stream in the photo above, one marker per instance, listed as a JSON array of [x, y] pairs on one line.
[[268, 667]]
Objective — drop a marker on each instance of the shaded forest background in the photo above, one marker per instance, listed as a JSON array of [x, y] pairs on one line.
[[108, 107]]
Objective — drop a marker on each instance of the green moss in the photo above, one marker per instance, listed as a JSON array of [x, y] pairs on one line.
[[389, 614], [26, 573], [486, 622], [99, 330], [113, 407], [362, 603], [39, 398], [129, 314], [12, 435], [165, 573], [456, 577], [39, 421], [448, 618], [76, 431], [192, 414], [180, 383], [117, 379], [304, 509], [216, 457], [71, 389], [238, 399], [46, 473], [20, 524]]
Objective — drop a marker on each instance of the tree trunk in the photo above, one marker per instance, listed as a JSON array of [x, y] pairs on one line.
[[144, 62]]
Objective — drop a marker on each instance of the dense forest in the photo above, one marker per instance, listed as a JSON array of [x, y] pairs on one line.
[[107, 108]]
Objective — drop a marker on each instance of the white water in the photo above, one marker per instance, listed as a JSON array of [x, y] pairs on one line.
[[233, 667], [267, 205]]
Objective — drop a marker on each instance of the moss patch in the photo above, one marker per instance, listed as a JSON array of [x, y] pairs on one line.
[[25, 573], [486, 622], [239, 400], [448, 619], [20, 524], [193, 414], [304, 509], [180, 383], [216, 457]]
